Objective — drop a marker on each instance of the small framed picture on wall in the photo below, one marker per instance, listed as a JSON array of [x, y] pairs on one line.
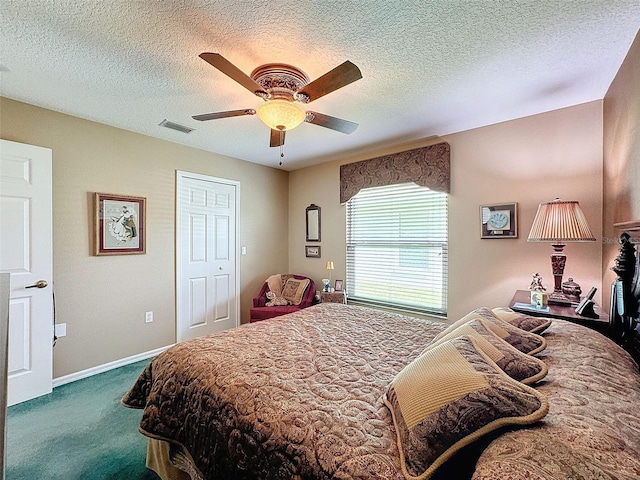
[[119, 224], [312, 251], [499, 220]]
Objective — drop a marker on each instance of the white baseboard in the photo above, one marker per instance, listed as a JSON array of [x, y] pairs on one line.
[[72, 377]]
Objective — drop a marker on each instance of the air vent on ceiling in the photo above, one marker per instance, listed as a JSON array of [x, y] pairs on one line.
[[176, 126]]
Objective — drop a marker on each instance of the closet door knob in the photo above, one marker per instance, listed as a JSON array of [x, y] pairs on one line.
[[38, 284]]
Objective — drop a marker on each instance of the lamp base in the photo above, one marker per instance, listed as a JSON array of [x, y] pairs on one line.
[[559, 298], [558, 260]]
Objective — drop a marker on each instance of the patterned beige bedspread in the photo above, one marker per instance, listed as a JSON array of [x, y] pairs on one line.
[[592, 430], [300, 397]]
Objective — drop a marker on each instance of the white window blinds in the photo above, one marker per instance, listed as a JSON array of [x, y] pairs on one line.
[[397, 247]]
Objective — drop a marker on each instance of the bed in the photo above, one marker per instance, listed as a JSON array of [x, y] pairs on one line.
[[322, 393]]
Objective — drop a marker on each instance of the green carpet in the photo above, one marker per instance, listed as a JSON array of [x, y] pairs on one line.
[[80, 431]]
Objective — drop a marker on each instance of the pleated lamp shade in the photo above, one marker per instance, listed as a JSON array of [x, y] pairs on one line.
[[560, 221]]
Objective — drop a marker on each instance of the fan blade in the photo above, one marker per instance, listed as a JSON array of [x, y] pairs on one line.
[[333, 123], [231, 113], [337, 78], [277, 138], [233, 72]]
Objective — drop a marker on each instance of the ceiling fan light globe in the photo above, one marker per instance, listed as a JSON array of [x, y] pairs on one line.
[[281, 114]]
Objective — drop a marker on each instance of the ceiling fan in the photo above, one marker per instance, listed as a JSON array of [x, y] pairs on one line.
[[284, 88]]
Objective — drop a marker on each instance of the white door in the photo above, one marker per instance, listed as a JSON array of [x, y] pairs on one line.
[[207, 267], [26, 254]]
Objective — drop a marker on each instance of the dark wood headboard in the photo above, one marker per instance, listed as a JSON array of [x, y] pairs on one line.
[[625, 292]]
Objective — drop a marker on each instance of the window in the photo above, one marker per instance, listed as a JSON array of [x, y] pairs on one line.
[[397, 247]]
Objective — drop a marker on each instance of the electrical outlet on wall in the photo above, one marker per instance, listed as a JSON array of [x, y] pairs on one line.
[[148, 317]]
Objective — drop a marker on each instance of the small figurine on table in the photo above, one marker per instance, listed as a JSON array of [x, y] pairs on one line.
[[536, 284], [538, 292]]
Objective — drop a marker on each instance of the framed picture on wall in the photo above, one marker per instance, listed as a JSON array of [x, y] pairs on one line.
[[119, 224], [499, 220], [312, 251]]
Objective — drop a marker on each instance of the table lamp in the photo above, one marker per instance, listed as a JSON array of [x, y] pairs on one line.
[[330, 268], [559, 222]]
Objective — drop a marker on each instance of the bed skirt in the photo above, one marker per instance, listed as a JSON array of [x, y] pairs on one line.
[[158, 461]]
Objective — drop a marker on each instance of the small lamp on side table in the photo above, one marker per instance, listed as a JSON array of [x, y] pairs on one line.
[[559, 222], [330, 268]]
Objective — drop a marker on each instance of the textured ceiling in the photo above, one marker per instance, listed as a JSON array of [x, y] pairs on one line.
[[429, 67]]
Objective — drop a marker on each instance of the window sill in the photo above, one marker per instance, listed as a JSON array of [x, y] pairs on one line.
[[405, 311]]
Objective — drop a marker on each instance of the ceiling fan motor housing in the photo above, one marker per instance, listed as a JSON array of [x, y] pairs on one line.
[[281, 81]]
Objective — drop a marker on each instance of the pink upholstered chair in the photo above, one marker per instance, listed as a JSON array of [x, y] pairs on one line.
[[261, 312]]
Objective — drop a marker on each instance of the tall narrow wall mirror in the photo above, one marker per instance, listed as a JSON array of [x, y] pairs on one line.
[[313, 223]]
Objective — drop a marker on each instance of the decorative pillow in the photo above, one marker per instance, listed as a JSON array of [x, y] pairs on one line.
[[275, 284], [450, 396], [294, 290], [513, 362], [275, 300], [520, 320], [524, 341]]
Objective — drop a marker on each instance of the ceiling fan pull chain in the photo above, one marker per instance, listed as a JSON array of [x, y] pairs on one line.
[[281, 145]]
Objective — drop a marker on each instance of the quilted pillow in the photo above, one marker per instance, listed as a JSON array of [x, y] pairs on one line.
[[275, 300], [513, 362], [520, 320], [450, 396], [524, 341], [294, 289]]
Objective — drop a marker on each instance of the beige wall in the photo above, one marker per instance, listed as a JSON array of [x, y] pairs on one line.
[[103, 299], [621, 155], [528, 161]]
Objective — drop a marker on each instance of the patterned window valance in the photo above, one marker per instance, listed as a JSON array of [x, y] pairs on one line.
[[426, 166]]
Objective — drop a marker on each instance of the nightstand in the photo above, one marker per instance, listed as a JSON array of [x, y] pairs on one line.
[[562, 312], [333, 297]]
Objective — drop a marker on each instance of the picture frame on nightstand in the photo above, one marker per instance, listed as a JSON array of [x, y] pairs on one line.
[[338, 286]]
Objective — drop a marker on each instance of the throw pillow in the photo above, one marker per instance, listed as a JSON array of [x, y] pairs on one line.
[[519, 366], [521, 320], [524, 341], [450, 396], [294, 290], [275, 284]]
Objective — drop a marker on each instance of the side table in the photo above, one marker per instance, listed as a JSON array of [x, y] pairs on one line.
[[333, 297], [560, 311]]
